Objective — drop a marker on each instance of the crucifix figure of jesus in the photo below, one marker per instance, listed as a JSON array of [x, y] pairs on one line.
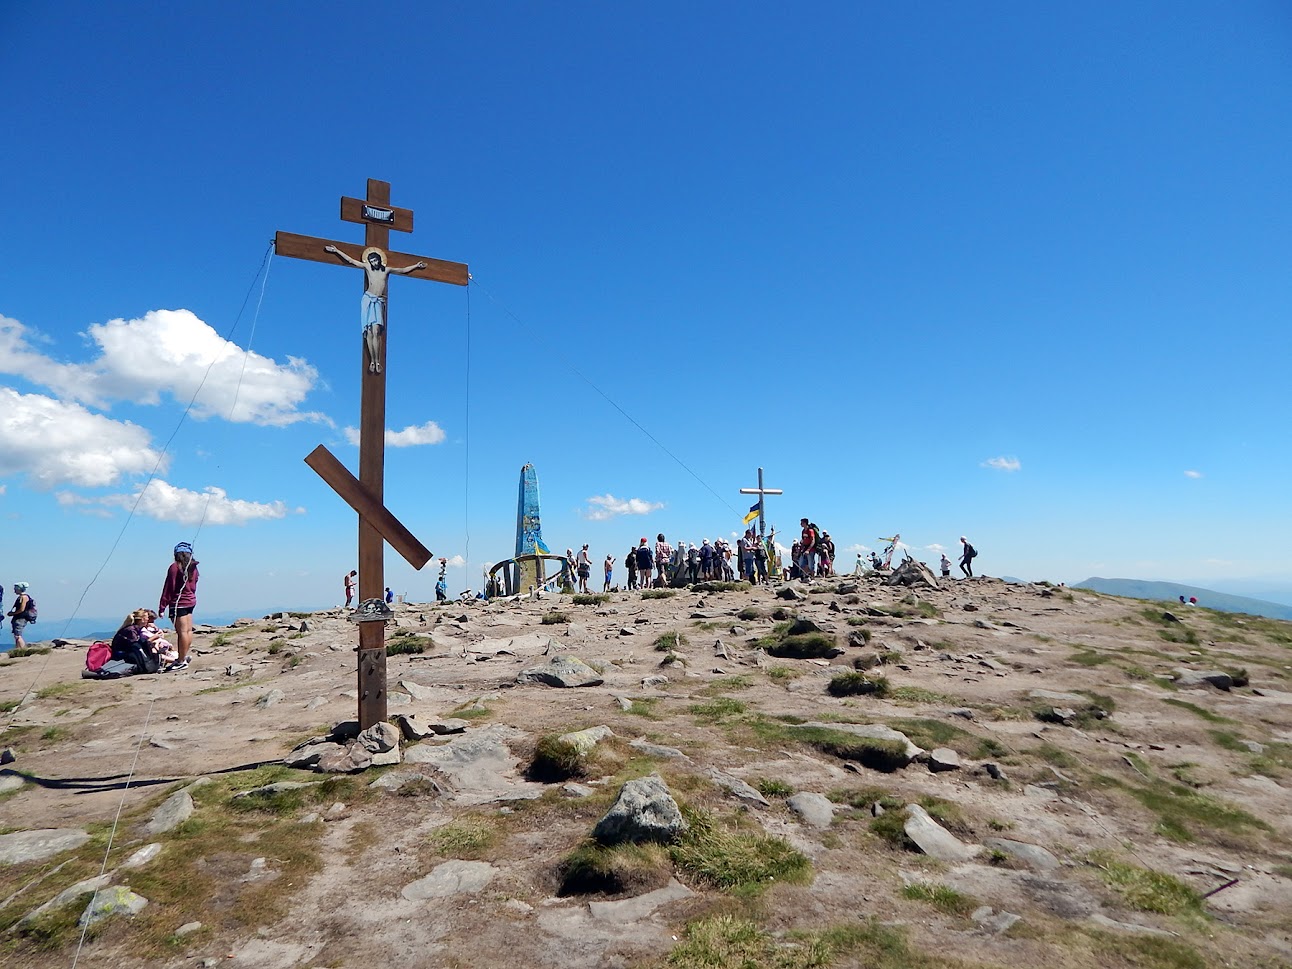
[[373, 312], [366, 493]]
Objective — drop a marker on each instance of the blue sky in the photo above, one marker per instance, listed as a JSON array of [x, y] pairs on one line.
[[1017, 272]]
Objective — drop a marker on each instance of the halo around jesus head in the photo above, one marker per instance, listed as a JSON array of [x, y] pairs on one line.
[[381, 254]]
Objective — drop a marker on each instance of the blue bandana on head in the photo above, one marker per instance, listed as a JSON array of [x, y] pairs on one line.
[[184, 547]]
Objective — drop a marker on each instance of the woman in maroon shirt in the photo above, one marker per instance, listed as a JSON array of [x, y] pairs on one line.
[[179, 596]]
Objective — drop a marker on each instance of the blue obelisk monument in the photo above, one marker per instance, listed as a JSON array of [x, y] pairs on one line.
[[529, 528]]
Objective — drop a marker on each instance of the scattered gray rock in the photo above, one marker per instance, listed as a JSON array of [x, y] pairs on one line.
[[141, 857], [789, 592], [416, 690], [67, 896], [657, 750], [993, 922], [943, 759], [644, 811], [270, 698], [116, 900], [815, 809], [12, 782], [170, 814], [344, 760], [449, 879], [315, 703], [188, 928], [478, 765], [654, 680], [562, 671], [397, 779], [737, 787], [1034, 856], [577, 790], [629, 910], [1050, 696], [1200, 678], [584, 740], [379, 738], [1103, 921], [933, 839], [965, 713], [21, 847]]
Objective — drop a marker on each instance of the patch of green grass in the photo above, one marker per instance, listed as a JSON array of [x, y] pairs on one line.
[[646, 707], [554, 618], [590, 598], [556, 760], [57, 690], [856, 683], [673, 640], [729, 942], [857, 620], [942, 897], [773, 787], [907, 610], [1147, 890], [54, 734], [472, 713], [659, 593], [8, 706], [221, 639], [721, 587], [782, 674], [295, 661], [804, 646], [1184, 815], [406, 645], [735, 859], [718, 710], [729, 684], [1088, 657], [467, 837], [928, 733], [1229, 741], [276, 646], [749, 614], [881, 755], [597, 869], [989, 749], [1054, 756], [28, 651], [1198, 711]]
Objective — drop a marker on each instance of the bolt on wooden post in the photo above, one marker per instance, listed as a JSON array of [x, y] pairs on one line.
[[366, 493]]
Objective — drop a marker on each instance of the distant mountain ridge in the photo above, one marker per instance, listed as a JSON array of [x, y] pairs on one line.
[[1171, 592]]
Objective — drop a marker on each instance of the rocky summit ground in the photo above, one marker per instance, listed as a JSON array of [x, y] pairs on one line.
[[843, 774]]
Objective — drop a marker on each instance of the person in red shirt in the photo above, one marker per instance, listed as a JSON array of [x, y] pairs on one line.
[[179, 596], [807, 551]]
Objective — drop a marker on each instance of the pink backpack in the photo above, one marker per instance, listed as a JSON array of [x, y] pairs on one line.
[[98, 654]]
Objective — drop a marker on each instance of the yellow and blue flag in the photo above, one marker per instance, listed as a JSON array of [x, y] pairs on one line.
[[753, 512]]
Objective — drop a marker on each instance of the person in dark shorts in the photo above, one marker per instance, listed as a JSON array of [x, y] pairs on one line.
[[178, 600], [967, 557]]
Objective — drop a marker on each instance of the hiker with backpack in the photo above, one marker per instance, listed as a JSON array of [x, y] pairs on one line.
[[178, 600], [966, 559], [23, 612]]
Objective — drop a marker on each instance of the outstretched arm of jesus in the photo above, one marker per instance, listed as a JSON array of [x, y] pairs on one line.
[[337, 252], [408, 269]]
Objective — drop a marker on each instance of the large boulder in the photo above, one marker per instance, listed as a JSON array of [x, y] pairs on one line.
[[561, 671], [934, 840], [172, 812], [644, 811], [21, 847]]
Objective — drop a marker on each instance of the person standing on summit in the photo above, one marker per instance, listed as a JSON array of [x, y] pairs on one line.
[[179, 596], [807, 551], [966, 557]]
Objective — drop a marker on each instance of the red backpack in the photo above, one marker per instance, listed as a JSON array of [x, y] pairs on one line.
[[98, 654]]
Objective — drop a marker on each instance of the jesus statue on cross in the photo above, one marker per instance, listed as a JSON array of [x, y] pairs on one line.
[[374, 296]]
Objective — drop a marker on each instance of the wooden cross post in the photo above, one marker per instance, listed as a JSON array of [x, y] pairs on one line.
[[366, 494]]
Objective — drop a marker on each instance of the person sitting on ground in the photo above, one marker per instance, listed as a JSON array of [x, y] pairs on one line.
[[153, 636], [129, 645]]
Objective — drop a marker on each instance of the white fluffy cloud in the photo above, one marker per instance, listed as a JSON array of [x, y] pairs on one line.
[[1193, 474], [411, 436], [456, 561], [166, 503], [58, 443], [858, 548], [935, 547], [167, 352], [1003, 463], [604, 507]]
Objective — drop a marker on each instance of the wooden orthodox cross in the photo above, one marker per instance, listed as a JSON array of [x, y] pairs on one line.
[[366, 493], [761, 492]]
